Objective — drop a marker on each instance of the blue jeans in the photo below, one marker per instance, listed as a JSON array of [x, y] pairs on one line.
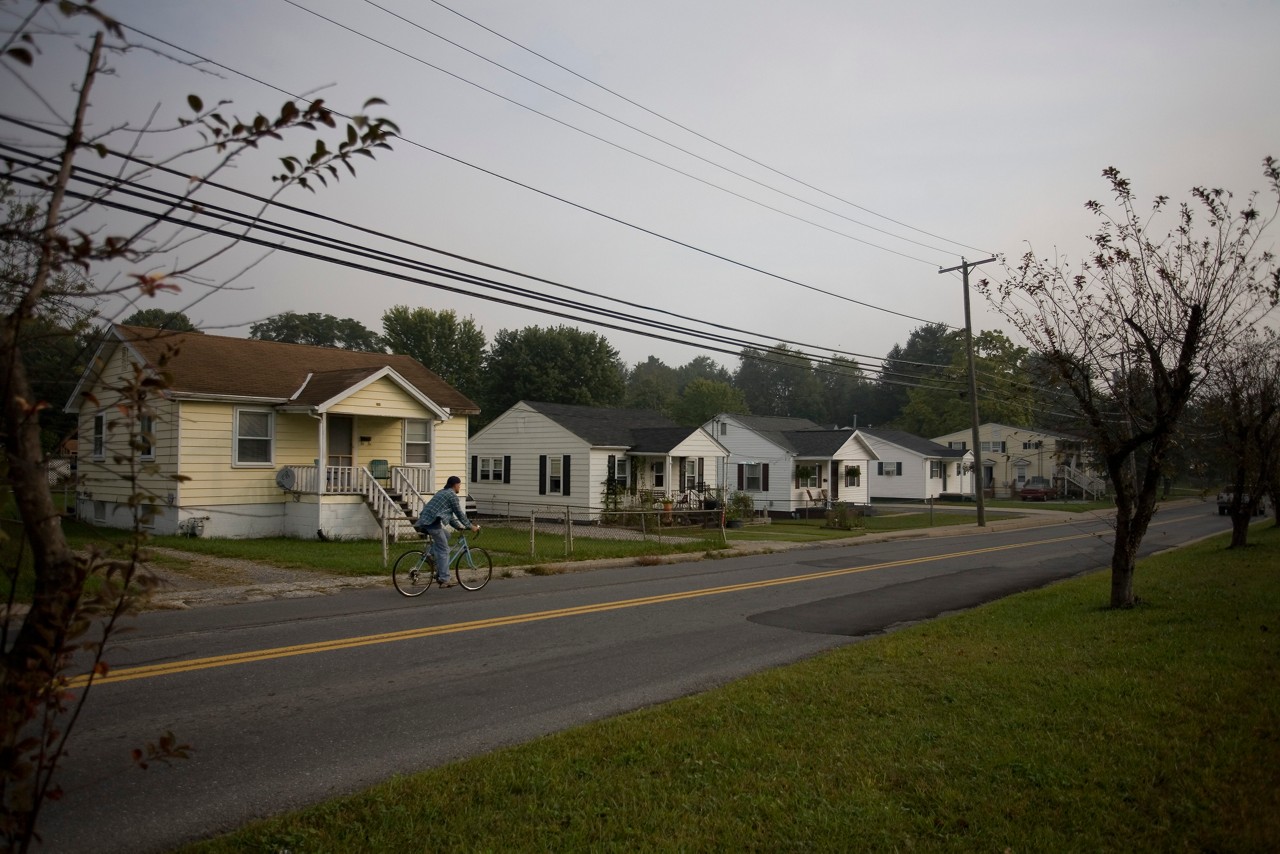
[[439, 535]]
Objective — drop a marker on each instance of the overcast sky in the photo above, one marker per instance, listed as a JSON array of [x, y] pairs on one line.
[[924, 131]]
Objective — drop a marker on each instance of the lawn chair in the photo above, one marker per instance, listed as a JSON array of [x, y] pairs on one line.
[[380, 470]]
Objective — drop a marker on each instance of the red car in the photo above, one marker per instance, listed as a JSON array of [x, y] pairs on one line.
[[1038, 493]]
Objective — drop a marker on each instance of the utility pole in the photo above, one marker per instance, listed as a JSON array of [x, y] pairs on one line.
[[964, 269]]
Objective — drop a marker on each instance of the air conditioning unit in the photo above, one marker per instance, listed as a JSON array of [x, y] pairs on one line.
[[891, 472]]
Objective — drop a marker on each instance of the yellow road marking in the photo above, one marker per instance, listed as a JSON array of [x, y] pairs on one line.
[[149, 671]]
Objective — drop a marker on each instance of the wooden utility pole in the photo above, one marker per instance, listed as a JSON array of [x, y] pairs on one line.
[[964, 269]]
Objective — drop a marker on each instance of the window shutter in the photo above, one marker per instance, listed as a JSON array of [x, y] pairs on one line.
[[565, 479], [880, 467], [611, 470], [475, 468], [764, 478], [506, 469], [542, 474], [701, 478], [742, 477], [899, 469]]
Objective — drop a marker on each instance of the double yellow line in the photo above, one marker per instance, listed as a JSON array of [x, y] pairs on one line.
[[150, 671]]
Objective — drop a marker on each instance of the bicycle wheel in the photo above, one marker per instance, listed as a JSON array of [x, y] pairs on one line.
[[473, 568], [413, 573]]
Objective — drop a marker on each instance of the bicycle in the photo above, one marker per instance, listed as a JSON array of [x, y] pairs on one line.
[[415, 570]]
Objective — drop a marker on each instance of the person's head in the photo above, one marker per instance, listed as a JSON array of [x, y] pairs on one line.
[[454, 482]]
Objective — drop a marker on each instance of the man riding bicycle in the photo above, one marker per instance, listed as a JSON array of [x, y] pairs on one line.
[[443, 509]]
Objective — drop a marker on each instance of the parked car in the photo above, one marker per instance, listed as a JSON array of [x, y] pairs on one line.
[[1224, 502], [1038, 491]]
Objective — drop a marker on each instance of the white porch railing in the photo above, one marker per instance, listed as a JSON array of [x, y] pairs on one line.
[[1088, 484]]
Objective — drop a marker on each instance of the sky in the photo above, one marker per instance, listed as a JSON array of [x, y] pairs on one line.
[[903, 137]]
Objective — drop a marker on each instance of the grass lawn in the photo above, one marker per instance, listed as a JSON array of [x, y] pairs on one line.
[[1043, 722]]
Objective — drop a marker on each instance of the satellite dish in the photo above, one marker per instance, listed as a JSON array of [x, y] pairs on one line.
[[287, 479]]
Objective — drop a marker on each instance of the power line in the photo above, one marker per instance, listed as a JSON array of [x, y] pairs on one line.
[[560, 199], [617, 120], [621, 147], [688, 129]]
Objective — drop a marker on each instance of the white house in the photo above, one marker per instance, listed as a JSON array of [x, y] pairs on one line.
[[1012, 457], [910, 468], [543, 455], [789, 465]]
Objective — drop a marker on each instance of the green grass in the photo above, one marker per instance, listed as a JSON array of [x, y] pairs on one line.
[[1043, 722]]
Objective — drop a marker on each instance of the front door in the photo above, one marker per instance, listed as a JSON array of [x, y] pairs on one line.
[[339, 455]]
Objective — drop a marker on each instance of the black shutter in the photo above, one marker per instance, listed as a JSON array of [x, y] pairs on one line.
[[880, 467], [506, 469], [611, 470], [899, 469], [475, 468], [764, 478], [542, 474], [742, 477], [564, 480]]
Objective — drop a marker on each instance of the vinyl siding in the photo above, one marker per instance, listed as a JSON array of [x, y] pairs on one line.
[[383, 397], [525, 435]]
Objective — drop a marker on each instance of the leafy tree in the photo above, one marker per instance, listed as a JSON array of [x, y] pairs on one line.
[[942, 404], [846, 391], [925, 358], [453, 347], [1136, 328], [701, 367], [652, 384], [1244, 406], [780, 381], [702, 399], [556, 364], [318, 330], [36, 711], [158, 318]]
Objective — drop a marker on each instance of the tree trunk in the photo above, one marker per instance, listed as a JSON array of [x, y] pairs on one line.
[[1124, 556], [1240, 526]]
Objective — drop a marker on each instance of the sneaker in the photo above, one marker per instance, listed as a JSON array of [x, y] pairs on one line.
[[445, 583]]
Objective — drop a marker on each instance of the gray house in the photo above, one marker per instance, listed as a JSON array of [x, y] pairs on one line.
[[914, 469]]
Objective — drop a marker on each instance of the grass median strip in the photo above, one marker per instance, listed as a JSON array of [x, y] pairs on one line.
[[1040, 722]]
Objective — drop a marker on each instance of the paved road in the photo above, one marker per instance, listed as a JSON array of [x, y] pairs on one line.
[[294, 701]]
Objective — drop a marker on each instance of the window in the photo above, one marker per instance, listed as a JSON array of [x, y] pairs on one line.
[[659, 469], [724, 429], [491, 468], [806, 476], [754, 482], [99, 436], [935, 468], [852, 476], [621, 472], [994, 447], [147, 437], [956, 446], [888, 469], [1022, 474], [555, 475], [253, 440], [417, 442], [690, 473], [959, 469]]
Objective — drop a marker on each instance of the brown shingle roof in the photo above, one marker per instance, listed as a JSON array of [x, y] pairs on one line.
[[217, 365]]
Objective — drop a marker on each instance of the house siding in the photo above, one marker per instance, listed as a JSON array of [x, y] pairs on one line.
[[524, 436], [384, 397]]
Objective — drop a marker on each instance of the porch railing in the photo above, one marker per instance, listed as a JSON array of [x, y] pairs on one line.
[[1086, 483]]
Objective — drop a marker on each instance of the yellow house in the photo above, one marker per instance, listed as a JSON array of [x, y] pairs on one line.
[[229, 437]]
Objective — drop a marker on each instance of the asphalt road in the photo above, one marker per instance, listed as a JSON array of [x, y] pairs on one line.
[[293, 701]]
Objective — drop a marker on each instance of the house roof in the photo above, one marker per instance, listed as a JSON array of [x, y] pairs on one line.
[[912, 442], [219, 366], [817, 443], [608, 427], [777, 428], [659, 440]]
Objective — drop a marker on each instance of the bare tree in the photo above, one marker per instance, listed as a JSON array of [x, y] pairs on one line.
[[1134, 330], [75, 231], [1243, 403]]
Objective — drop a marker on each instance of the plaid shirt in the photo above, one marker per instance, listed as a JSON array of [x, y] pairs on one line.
[[443, 507]]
